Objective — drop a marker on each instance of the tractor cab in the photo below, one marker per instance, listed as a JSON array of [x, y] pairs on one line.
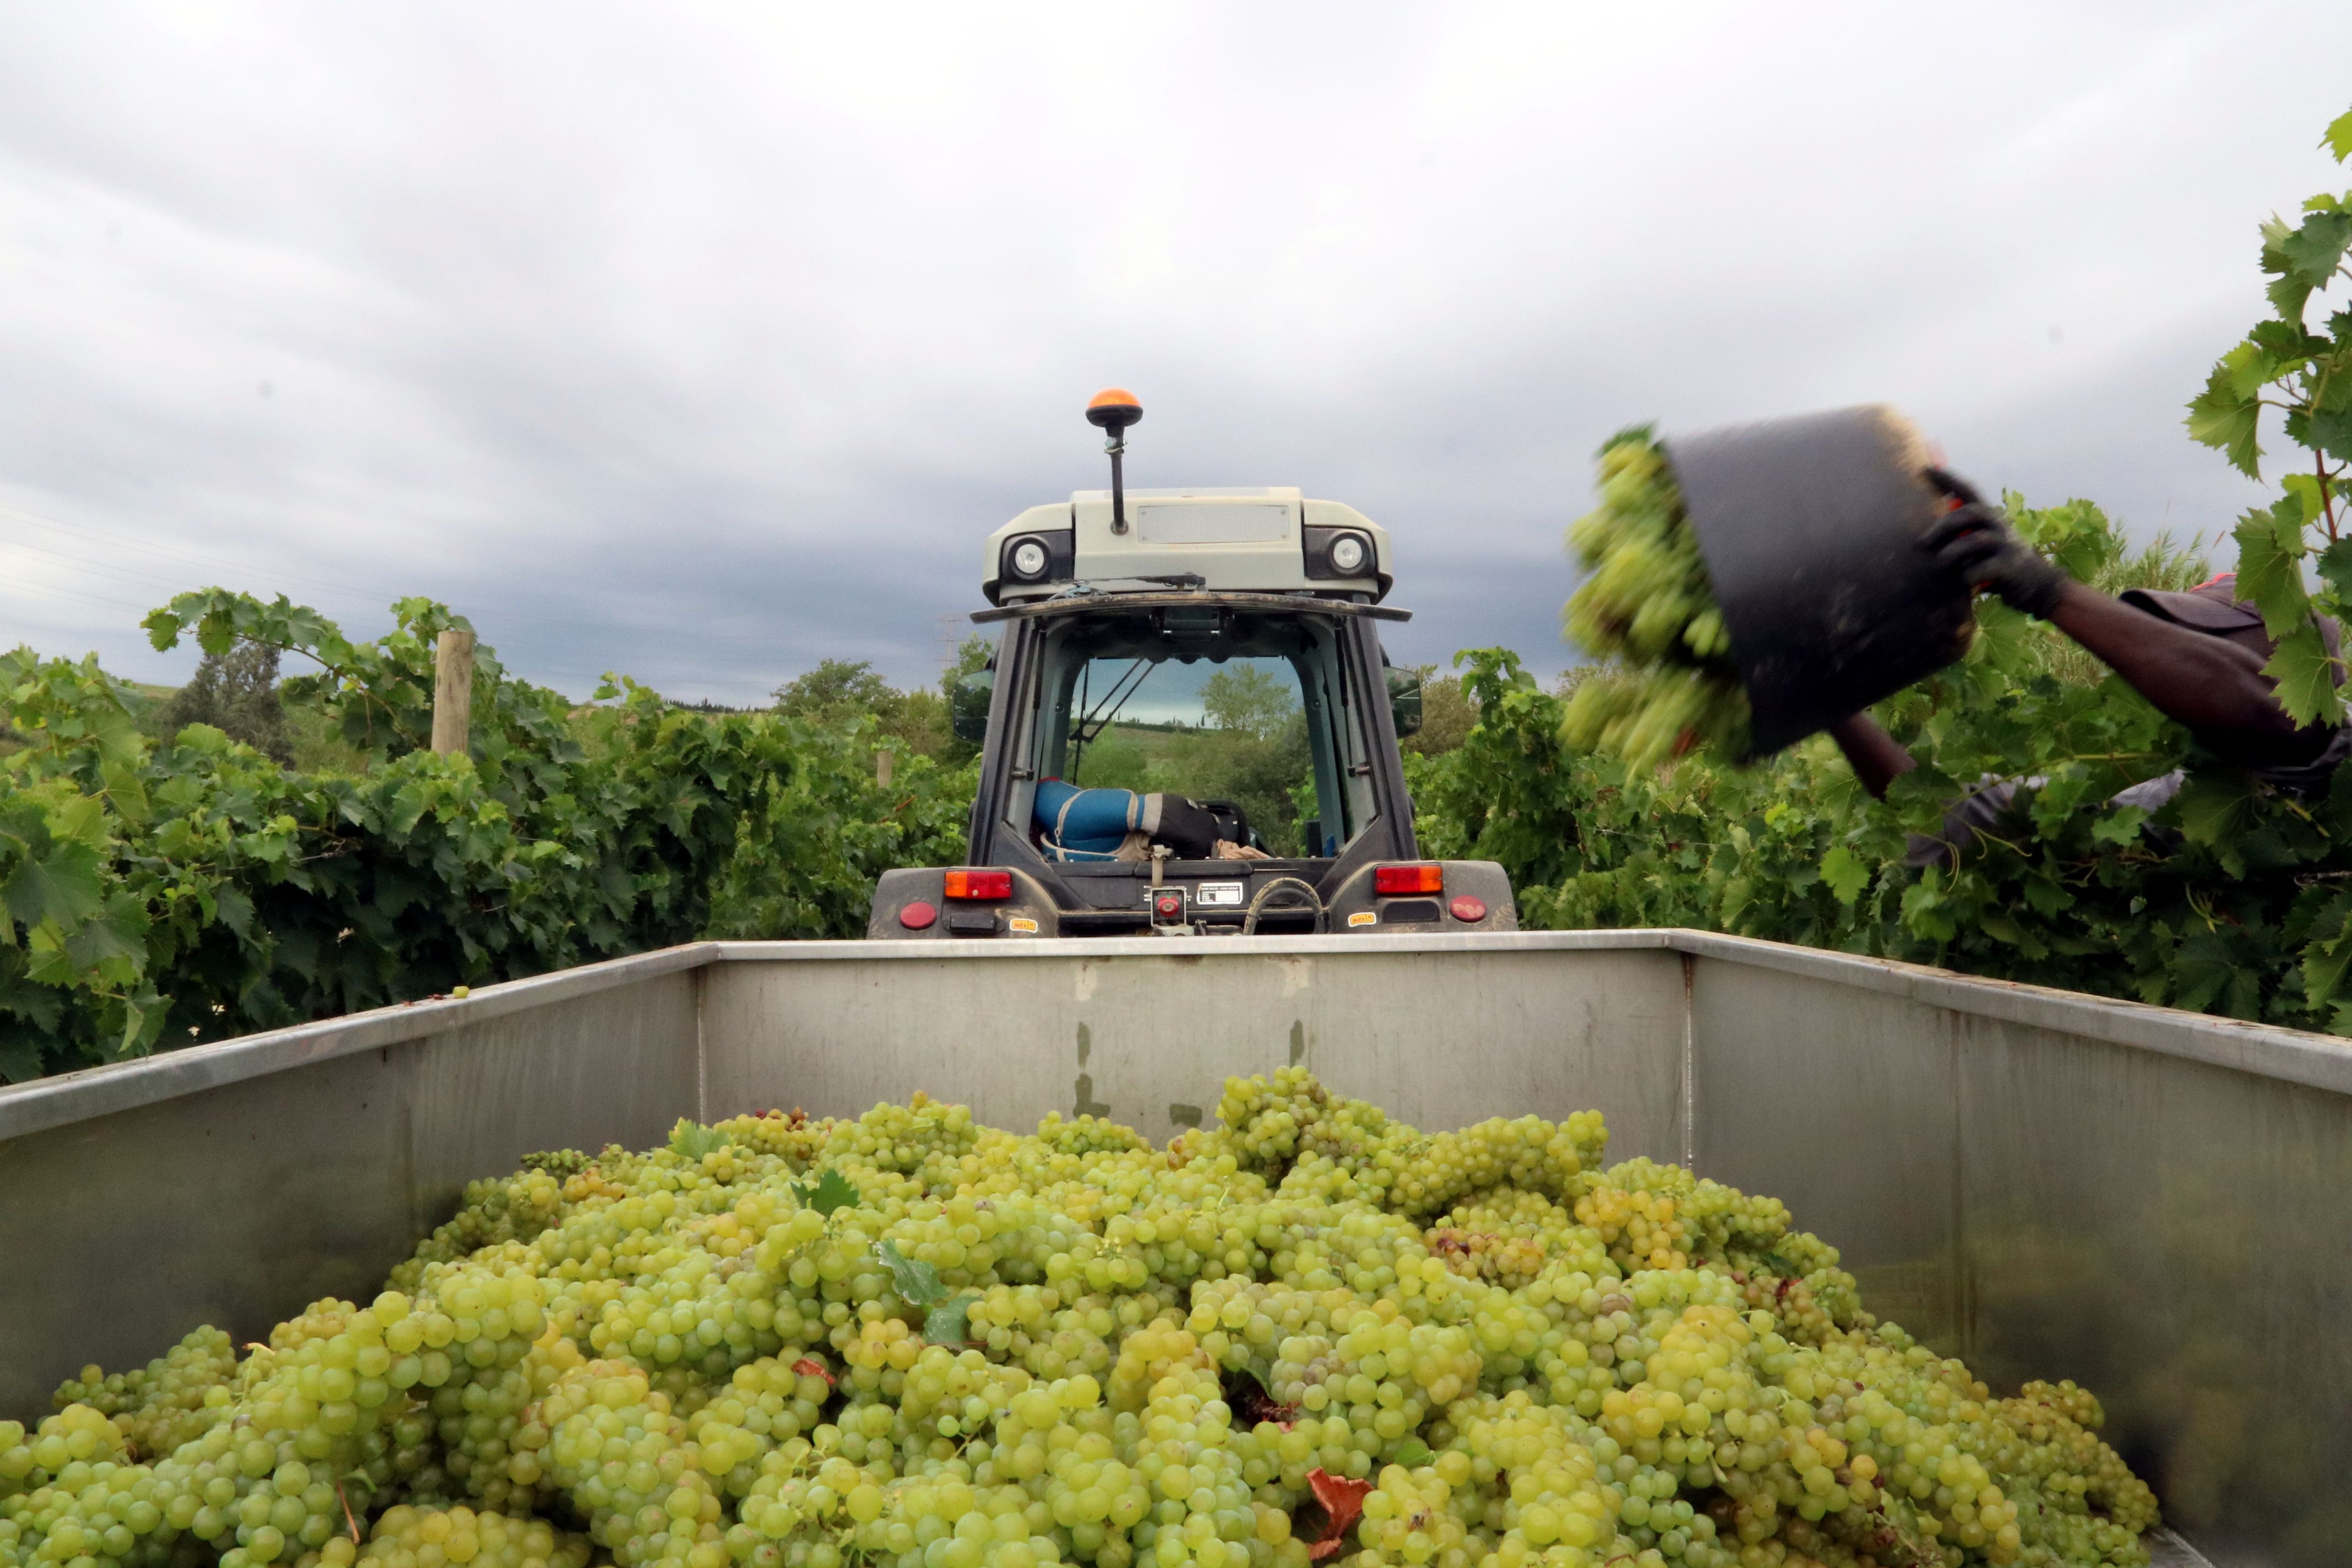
[[1189, 728]]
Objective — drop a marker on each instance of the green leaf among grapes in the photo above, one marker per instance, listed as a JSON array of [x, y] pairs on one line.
[[690, 1139], [1412, 1453], [829, 1193], [917, 1283], [948, 1323]]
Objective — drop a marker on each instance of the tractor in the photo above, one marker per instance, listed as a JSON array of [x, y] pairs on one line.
[[1108, 803]]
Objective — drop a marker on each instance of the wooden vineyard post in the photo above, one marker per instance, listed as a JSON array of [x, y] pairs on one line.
[[453, 692]]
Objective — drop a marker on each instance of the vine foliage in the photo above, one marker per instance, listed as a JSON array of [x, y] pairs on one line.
[[162, 894]]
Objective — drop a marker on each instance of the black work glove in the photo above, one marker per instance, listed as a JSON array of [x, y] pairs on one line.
[[1976, 543]]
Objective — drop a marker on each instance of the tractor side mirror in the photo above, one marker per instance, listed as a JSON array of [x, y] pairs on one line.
[[967, 704], [1404, 701]]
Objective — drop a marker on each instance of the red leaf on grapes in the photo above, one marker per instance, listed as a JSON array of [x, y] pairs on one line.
[[1343, 1503], [809, 1366]]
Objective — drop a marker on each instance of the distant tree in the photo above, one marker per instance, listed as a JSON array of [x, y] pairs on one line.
[[971, 656], [838, 689], [237, 693], [1447, 714], [1246, 699]]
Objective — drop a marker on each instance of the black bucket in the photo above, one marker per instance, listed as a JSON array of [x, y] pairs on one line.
[[1810, 528]]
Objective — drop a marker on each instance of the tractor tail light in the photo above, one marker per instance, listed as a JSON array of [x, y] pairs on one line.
[[1426, 878], [988, 887]]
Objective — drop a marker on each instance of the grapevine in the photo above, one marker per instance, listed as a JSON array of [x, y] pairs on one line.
[[1310, 1333], [161, 895]]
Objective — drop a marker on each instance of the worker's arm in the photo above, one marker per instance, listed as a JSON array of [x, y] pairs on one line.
[[2210, 684], [1876, 757]]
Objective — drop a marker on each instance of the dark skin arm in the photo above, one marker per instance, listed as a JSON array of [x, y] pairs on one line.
[[2209, 684], [1876, 757]]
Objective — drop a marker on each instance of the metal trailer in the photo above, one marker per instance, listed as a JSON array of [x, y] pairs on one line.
[[2155, 1204]]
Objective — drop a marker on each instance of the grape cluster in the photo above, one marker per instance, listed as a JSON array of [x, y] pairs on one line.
[[163, 1404], [1645, 606], [1307, 1334]]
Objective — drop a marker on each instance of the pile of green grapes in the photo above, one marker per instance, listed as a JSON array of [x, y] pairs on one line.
[[1669, 686], [1311, 1334]]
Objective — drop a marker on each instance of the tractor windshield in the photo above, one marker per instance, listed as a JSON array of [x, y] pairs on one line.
[[1250, 715]]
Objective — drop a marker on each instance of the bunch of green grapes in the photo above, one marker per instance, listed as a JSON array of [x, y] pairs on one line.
[[1669, 685], [409, 1537], [163, 1404], [1311, 1333]]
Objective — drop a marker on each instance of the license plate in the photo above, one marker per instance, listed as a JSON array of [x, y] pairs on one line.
[[1218, 895]]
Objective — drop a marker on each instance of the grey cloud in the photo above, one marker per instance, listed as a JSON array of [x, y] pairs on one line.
[[706, 344]]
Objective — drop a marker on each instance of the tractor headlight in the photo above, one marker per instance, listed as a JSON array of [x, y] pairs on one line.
[[1028, 558], [1350, 554]]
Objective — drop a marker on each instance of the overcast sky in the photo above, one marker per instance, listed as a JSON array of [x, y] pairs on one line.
[[706, 343]]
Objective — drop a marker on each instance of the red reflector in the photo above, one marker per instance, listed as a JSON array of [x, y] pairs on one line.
[[1426, 878], [1467, 908], [980, 885], [1168, 906], [918, 915]]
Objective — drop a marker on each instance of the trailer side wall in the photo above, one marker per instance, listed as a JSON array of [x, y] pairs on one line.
[[2050, 1186]]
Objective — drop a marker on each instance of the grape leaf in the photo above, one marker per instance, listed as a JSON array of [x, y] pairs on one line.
[[1845, 872], [20, 1052], [115, 937], [917, 1283], [2216, 809], [2330, 431], [2201, 970], [2270, 566], [827, 1194], [1414, 1454], [55, 881], [2338, 139], [2314, 250], [2222, 416], [2335, 566], [690, 1139], [2118, 827], [2325, 959], [2305, 675], [1343, 1505], [948, 1323]]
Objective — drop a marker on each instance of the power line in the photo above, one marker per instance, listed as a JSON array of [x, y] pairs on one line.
[[23, 587], [170, 585], [199, 558]]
